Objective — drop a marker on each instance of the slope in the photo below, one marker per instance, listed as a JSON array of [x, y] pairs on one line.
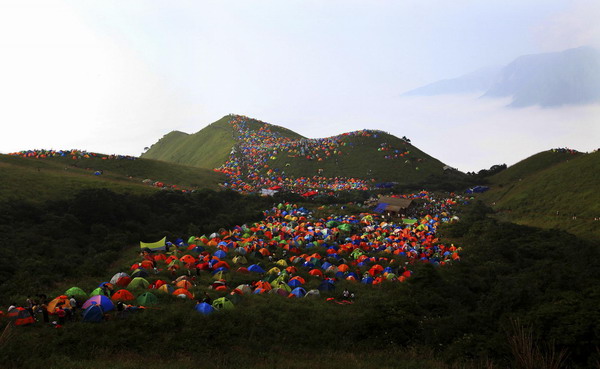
[[257, 155], [207, 148], [551, 190], [370, 155], [40, 179]]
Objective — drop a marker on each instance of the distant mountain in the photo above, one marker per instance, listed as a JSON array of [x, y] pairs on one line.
[[569, 77], [479, 81], [552, 79]]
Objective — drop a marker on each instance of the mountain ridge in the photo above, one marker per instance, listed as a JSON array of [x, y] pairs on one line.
[[569, 77]]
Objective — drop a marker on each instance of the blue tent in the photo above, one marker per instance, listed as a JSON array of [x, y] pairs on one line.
[[294, 283], [367, 280], [198, 249], [204, 308], [220, 254], [298, 292], [255, 268], [93, 314], [326, 286]]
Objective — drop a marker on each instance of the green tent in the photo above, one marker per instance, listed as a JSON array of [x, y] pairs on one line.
[[222, 304], [345, 227], [138, 282], [147, 298], [97, 291], [332, 223], [357, 253], [191, 240], [409, 221], [77, 292]]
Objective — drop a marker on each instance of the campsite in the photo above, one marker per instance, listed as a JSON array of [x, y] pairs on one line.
[[336, 184], [436, 278]]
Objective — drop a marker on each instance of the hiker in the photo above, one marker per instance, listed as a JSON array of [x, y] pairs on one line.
[[346, 294], [44, 308], [74, 306], [29, 305], [207, 299]]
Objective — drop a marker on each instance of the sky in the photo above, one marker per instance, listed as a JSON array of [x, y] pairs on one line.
[[115, 76]]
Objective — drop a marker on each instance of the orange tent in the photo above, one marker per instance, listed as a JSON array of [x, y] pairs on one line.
[[122, 295], [184, 284], [59, 301], [182, 291]]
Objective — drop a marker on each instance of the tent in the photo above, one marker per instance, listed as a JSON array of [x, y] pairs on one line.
[[222, 303], [182, 292], [166, 288], [93, 314], [77, 292], [138, 282], [243, 289], [147, 298], [155, 246], [23, 317], [240, 259], [122, 295], [204, 308], [59, 301], [313, 293], [101, 300], [256, 268], [97, 291], [326, 286], [298, 292]]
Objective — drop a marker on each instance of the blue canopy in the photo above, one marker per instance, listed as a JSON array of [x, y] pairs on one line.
[[93, 313], [204, 308]]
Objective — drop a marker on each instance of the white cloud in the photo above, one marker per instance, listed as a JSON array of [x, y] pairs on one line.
[[576, 26]]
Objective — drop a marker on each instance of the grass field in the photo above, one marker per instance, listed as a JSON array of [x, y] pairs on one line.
[[59, 177], [548, 189], [207, 148]]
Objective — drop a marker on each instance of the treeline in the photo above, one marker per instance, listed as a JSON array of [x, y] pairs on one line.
[[82, 236]]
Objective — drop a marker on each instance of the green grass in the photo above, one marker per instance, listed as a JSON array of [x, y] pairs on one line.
[[360, 158], [208, 148], [535, 189], [60, 177]]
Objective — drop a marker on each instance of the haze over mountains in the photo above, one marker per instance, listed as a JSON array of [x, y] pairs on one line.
[[570, 77]]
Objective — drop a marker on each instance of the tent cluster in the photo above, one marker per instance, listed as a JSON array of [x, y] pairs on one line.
[[289, 253], [73, 154], [248, 165]]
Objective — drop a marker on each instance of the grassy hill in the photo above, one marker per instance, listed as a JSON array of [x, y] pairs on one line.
[[361, 158], [208, 148], [533, 191], [370, 155], [59, 177]]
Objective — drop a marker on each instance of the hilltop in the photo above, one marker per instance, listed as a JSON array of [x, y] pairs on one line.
[[47, 174], [550, 188], [257, 155]]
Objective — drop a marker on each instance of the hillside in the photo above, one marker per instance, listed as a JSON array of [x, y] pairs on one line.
[[56, 177], [256, 155], [207, 148], [533, 191], [370, 155]]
